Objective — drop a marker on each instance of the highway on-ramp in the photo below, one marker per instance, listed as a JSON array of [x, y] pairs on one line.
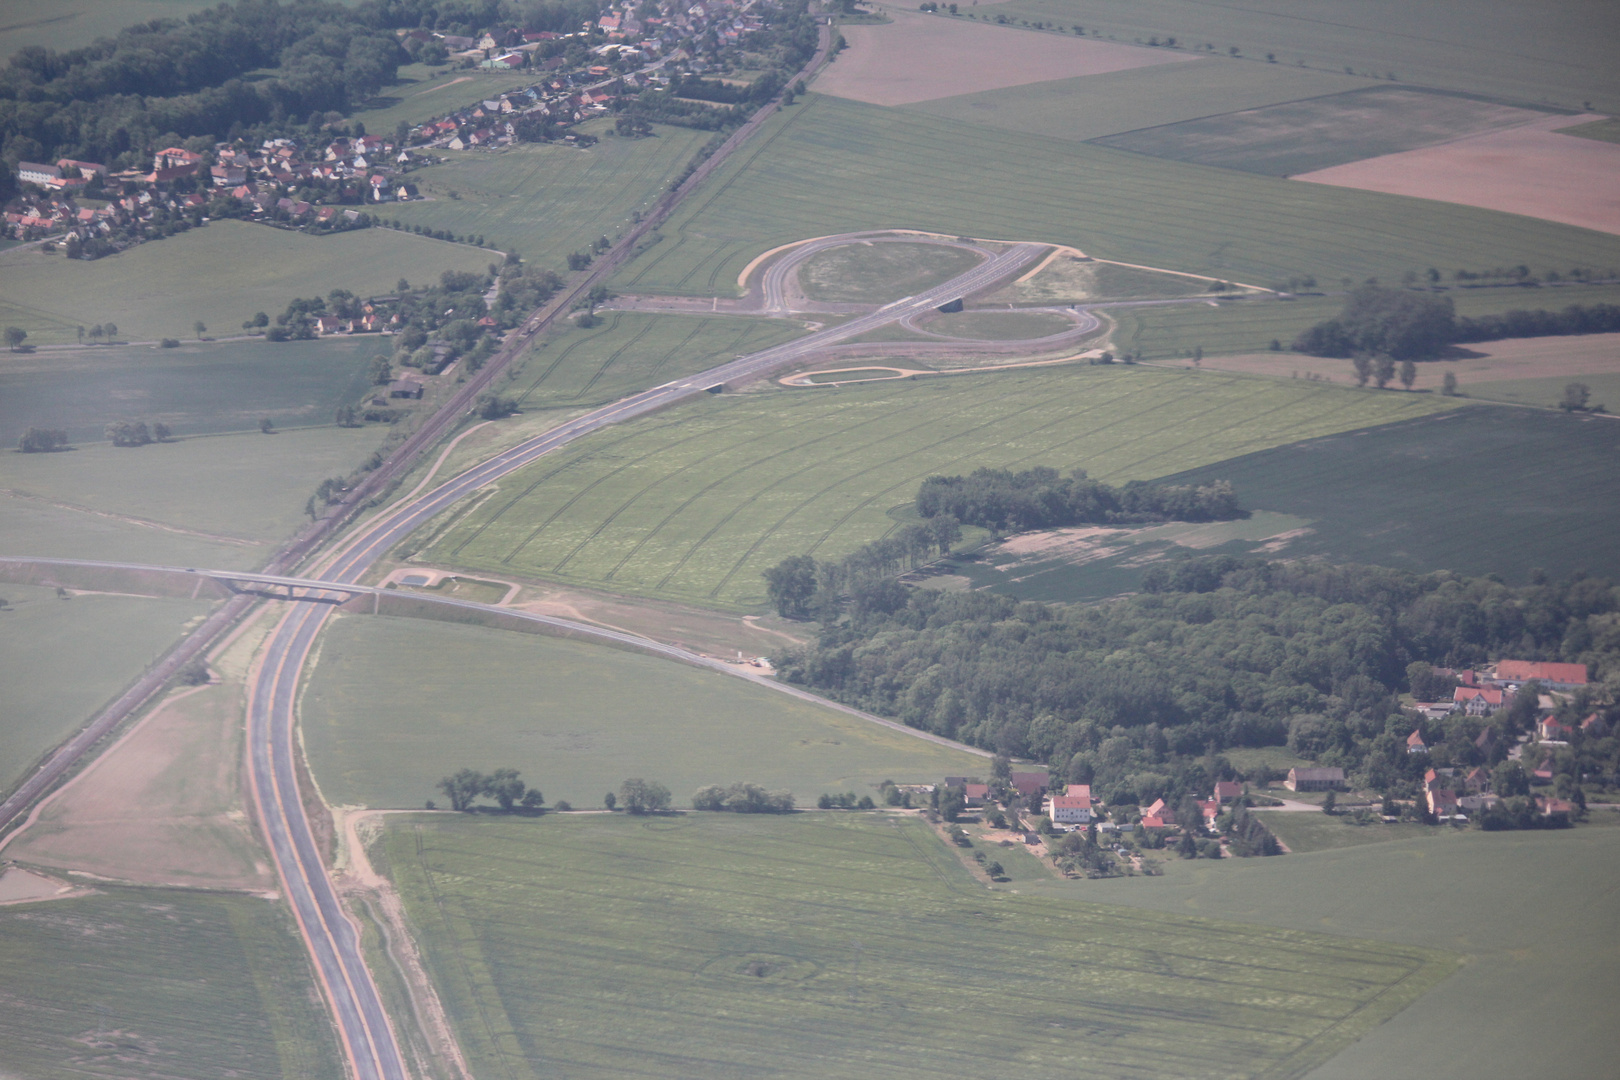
[[364, 1025]]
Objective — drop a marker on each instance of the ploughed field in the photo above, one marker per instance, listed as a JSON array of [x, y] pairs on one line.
[[696, 504], [847, 946]]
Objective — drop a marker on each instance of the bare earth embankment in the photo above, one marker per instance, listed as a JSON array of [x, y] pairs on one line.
[[1532, 170], [919, 58]]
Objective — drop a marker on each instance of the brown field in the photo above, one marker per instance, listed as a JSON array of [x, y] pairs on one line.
[[1490, 361], [920, 57], [1532, 170]]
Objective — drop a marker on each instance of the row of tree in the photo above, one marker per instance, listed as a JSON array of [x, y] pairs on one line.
[[1403, 324], [1040, 498], [743, 798], [466, 786]]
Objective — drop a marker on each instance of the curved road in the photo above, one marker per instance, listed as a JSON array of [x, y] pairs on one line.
[[334, 941]]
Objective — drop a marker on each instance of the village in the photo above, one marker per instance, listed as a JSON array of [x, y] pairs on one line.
[[338, 183], [1080, 833]]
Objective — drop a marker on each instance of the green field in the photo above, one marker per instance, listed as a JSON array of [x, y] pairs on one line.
[[1483, 895], [70, 24], [1305, 832], [1606, 130], [545, 201], [1540, 490], [425, 93], [221, 274], [201, 388], [998, 325], [1092, 106], [880, 273], [214, 500], [1303, 136], [848, 946], [1547, 392], [61, 660], [914, 171], [395, 704], [157, 984], [629, 352], [695, 504], [1553, 53]]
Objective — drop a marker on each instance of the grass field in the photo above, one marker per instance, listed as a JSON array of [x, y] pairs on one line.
[[151, 983], [545, 201], [998, 325], [629, 352], [1552, 53], [69, 24], [1547, 392], [1306, 832], [696, 504], [1601, 130], [1069, 279], [425, 93], [1539, 490], [61, 660], [1302, 136], [246, 489], [1093, 106], [916, 171], [395, 704], [221, 274], [848, 946], [880, 273], [201, 388], [1483, 895]]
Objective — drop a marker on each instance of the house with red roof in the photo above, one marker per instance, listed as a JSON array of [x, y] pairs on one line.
[[1210, 810], [1550, 676], [976, 794], [1028, 783], [1477, 780], [1442, 801], [1415, 743], [1551, 730], [1227, 790], [1070, 809], [1477, 701]]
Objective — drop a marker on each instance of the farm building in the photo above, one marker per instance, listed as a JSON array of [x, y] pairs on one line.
[[1415, 743], [1550, 676], [1476, 701], [1028, 783], [1314, 779], [1070, 809], [1227, 790]]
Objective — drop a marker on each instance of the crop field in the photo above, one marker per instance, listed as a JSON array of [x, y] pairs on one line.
[[923, 172], [1540, 490], [629, 352], [221, 274], [396, 704], [1547, 392], [1478, 894], [1303, 136], [242, 490], [61, 660], [1607, 130], [848, 946], [154, 983], [1553, 53], [69, 24], [880, 273], [425, 93], [546, 201], [201, 388], [696, 504], [1092, 106]]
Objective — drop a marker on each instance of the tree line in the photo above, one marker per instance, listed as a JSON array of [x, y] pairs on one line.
[[1138, 696], [466, 786], [1404, 324], [1040, 498]]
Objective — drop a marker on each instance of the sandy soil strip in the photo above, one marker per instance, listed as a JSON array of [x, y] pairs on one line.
[[445, 86], [920, 57], [1530, 170]]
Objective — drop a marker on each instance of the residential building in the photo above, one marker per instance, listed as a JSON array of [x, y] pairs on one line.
[[1028, 783], [1325, 779], [1070, 810], [1551, 730], [976, 794], [1415, 743], [1550, 676], [1442, 802], [1477, 701], [1227, 790], [31, 172]]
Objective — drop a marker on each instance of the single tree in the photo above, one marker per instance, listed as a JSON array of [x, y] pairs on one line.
[[610, 800], [15, 336], [462, 788], [790, 584], [1576, 394], [200, 328], [1408, 373], [1383, 370], [161, 432], [1198, 356], [267, 426], [1329, 803], [1364, 366], [532, 799], [1448, 385], [109, 329], [504, 787], [81, 335], [95, 332], [644, 796]]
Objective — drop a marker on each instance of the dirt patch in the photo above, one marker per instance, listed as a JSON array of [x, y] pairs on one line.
[[1491, 361], [919, 57], [163, 806], [1532, 170], [19, 886]]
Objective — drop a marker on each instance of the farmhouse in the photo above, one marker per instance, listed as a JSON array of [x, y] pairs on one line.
[[1442, 801], [1415, 743], [1226, 791], [1314, 779], [1476, 701], [1550, 676], [1550, 730], [976, 794], [1070, 809], [1028, 783]]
